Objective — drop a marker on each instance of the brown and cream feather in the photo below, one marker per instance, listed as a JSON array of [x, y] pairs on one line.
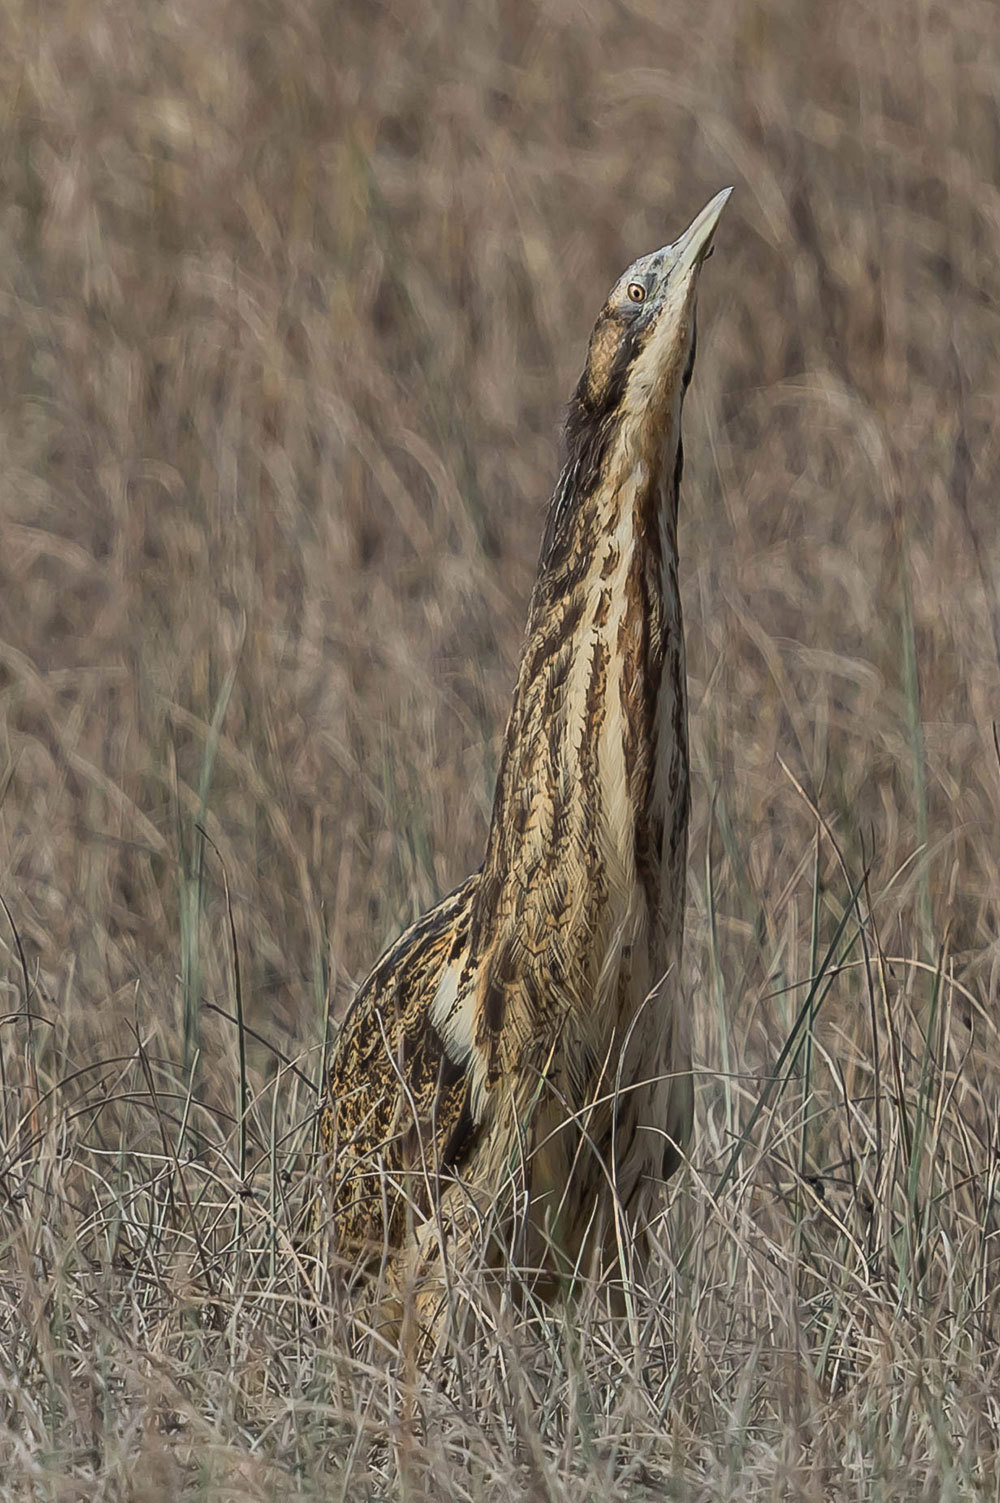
[[518, 1061]]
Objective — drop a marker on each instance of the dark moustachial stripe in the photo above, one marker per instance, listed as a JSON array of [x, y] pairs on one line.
[[591, 425]]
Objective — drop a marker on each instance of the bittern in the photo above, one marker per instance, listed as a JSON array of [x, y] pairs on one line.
[[517, 1065]]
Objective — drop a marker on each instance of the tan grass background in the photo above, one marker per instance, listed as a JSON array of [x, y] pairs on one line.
[[292, 295]]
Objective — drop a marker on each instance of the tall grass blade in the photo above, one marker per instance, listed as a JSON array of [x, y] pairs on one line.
[[811, 1004]]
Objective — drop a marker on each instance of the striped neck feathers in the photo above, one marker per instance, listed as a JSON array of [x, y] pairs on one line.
[[623, 440]]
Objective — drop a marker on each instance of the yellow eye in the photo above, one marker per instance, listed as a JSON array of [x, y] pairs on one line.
[[636, 292]]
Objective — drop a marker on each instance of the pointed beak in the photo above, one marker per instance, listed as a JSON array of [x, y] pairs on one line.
[[693, 246]]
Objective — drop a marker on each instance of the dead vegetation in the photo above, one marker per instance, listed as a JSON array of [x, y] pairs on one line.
[[291, 295]]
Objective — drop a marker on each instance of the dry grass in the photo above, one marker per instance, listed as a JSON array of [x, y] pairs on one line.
[[291, 295]]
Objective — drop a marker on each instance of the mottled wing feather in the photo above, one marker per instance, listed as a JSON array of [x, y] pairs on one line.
[[398, 1118]]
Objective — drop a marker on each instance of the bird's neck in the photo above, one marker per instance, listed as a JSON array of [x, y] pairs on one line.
[[591, 797]]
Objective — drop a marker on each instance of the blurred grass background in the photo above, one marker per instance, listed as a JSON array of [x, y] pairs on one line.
[[292, 296]]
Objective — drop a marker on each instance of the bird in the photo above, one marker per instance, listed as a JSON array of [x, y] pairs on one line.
[[513, 1079]]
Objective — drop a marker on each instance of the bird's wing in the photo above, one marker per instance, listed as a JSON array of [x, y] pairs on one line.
[[399, 1109]]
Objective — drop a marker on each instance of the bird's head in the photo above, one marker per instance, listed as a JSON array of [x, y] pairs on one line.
[[642, 347]]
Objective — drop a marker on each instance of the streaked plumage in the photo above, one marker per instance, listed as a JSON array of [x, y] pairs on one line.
[[519, 1059]]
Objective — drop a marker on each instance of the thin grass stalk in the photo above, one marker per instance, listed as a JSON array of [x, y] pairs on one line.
[[791, 1042], [921, 1117], [5, 1120], [915, 725], [902, 1119], [717, 980], [189, 923], [810, 1024], [192, 877], [324, 1059], [243, 1089]]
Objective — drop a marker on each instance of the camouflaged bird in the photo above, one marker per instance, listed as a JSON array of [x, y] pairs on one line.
[[514, 1075]]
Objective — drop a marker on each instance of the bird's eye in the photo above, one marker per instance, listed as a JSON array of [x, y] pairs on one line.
[[636, 292]]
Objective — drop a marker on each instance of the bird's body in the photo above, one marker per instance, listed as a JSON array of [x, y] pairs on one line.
[[519, 1060]]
